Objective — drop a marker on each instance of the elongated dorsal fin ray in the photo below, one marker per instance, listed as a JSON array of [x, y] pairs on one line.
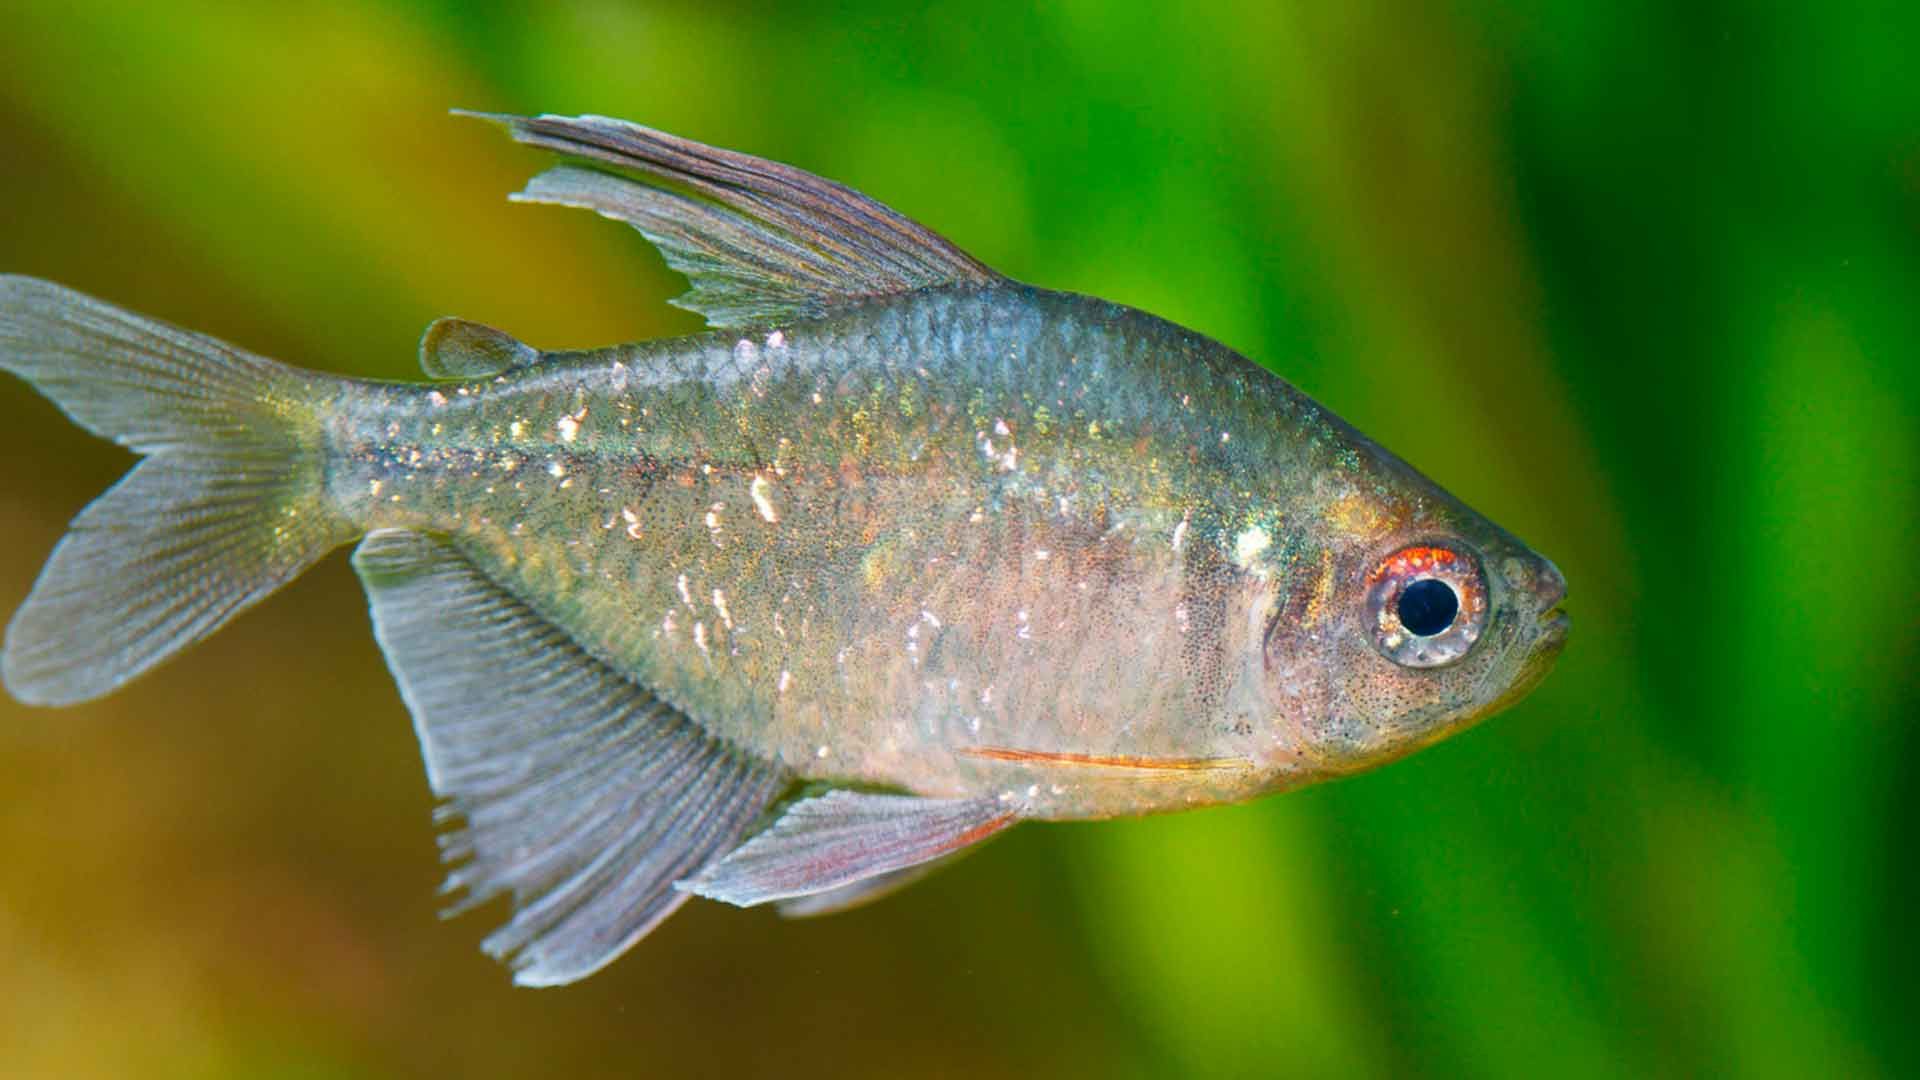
[[828, 842], [760, 241], [583, 794], [457, 349]]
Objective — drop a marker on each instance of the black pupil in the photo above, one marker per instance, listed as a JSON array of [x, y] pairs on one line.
[[1428, 606]]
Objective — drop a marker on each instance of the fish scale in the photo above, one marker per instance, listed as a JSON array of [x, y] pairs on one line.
[[900, 554]]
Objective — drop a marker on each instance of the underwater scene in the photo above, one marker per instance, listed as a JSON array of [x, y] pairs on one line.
[[1638, 283]]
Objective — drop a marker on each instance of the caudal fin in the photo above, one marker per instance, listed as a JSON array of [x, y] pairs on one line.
[[228, 505]]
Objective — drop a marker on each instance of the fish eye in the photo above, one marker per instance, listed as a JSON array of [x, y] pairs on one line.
[[1427, 604]]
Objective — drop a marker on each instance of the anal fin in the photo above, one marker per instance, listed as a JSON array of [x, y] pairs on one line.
[[832, 841], [583, 794]]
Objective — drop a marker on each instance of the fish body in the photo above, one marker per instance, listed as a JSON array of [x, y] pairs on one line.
[[939, 550]]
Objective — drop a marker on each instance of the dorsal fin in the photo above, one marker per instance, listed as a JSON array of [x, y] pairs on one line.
[[760, 241], [457, 349]]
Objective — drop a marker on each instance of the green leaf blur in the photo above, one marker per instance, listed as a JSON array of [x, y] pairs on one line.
[[1639, 281]]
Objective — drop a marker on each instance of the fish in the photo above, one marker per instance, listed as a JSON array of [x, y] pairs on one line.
[[897, 554]]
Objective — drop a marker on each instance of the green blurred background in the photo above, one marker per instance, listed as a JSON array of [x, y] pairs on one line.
[[1640, 281]]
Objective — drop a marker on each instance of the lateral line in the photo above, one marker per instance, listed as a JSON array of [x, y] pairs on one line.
[[1102, 761]]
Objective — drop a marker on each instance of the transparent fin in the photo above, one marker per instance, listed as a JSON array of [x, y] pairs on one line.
[[859, 893], [834, 840], [759, 241], [583, 795], [457, 349], [228, 507]]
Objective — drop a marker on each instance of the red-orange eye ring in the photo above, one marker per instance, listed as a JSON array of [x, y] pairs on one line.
[[1426, 604]]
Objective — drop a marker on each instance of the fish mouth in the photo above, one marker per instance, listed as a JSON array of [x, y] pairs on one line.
[[1553, 627], [1551, 588], [1537, 661]]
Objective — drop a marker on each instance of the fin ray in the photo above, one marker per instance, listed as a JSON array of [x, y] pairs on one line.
[[860, 893], [507, 708], [758, 240], [831, 841], [227, 507]]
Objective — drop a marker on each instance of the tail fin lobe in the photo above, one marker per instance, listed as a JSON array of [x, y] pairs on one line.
[[228, 506]]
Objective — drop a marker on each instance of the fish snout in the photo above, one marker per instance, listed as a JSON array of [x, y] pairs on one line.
[[1549, 585], [1549, 588]]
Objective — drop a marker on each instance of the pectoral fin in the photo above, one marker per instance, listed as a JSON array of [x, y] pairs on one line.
[[861, 893], [832, 841]]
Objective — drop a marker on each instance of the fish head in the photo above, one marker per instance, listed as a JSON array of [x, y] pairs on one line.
[[1410, 619]]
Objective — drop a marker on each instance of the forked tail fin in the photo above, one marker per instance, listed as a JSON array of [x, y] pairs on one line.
[[228, 506]]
